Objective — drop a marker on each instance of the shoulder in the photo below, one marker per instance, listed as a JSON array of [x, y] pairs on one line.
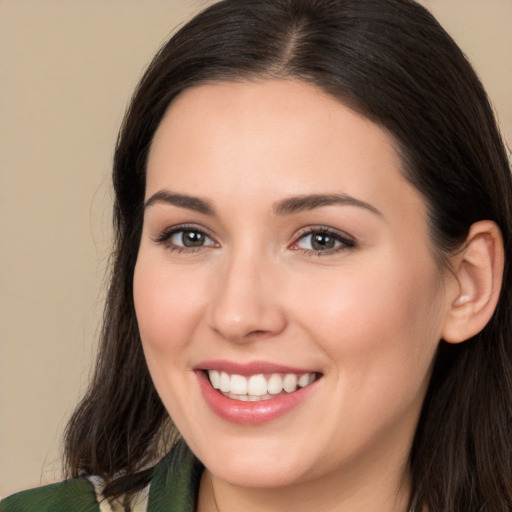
[[174, 485], [75, 495]]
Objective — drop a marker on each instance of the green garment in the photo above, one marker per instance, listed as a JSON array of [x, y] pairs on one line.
[[174, 487]]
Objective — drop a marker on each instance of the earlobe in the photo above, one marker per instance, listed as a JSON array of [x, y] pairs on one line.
[[479, 273]]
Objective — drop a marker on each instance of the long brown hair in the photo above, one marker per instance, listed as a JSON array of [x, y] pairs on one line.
[[392, 62]]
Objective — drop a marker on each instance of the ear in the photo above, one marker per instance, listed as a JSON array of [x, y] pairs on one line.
[[478, 270]]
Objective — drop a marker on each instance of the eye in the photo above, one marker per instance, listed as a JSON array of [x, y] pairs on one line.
[[323, 240], [190, 238], [185, 239]]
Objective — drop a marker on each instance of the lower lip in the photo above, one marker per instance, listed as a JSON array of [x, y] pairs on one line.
[[250, 413]]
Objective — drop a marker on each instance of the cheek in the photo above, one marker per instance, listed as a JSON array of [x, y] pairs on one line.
[[380, 336], [167, 304], [370, 316], [168, 310]]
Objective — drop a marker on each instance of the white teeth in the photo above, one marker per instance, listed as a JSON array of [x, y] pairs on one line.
[[290, 382], [225, 382], [214, 378], [258, 387], [275, 384], [238, 385], [303, 380], [248, 398]]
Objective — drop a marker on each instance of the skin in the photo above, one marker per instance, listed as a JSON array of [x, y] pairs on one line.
[[368, 316]]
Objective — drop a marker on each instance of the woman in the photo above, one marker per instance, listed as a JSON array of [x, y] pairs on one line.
[[310, 275]]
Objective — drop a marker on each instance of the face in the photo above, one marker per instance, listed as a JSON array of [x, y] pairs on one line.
[[286, 291]]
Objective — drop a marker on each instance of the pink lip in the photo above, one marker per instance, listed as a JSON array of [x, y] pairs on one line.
[[251, 413], [247, 369]]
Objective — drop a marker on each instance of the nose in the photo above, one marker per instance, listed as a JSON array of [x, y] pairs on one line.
[[246, 302]]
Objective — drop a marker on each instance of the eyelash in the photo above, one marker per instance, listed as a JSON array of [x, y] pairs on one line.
[[345, 242]]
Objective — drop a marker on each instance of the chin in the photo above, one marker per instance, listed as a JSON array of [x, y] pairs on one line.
[[255, 463], [263, 476]]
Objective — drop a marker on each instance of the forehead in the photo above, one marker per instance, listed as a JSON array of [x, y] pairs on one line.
[[273, 138]]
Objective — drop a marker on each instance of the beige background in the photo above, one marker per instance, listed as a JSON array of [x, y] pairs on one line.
[[67, 68]]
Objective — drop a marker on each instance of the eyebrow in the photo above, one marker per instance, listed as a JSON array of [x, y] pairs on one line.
[[287, 206], [181, 200], [297, 204]]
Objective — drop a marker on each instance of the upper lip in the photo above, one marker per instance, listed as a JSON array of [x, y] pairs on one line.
[[251, 368]]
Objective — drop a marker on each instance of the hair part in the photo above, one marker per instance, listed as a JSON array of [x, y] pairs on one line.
[[392, 62]]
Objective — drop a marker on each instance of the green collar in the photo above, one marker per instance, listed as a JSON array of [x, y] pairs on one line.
[[175, 481]]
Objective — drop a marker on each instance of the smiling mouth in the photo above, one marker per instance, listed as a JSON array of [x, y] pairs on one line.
[[259, 387]]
